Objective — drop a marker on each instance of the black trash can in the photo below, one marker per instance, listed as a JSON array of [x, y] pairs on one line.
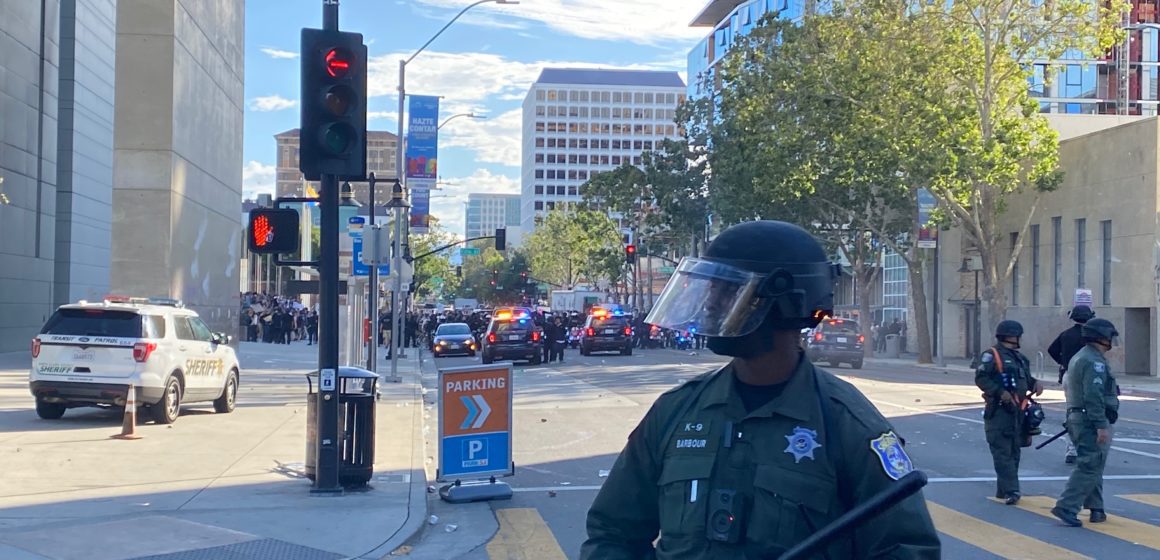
[[357, 392]]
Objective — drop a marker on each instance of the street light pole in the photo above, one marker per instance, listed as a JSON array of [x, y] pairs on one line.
[[396, 244], [453, 117]]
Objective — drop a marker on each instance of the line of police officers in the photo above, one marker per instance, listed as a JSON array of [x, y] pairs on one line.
[[1011, 416]]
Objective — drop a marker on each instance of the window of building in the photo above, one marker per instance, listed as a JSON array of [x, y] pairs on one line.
[[616, 144], [636, 160], [572, 175], [540, 126], [552, 111], [572, 191], [539, 189], [583, 112], [1035, 264], [1106, 257], [1014, 271], [583, 143], [540, 141], [616, 97], [573, 96], [615, 160], [1080, 253], [1057, 246], [638, 98], [582, 174], [539, 206], [648, 98], [552, 190], [584, 96], [539, 158], [539, 173], [637, 145], [551, 205], [605, 97], [540, 95], [551, 95], [583, 158]]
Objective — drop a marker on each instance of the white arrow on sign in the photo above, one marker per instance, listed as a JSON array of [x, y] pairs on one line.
[[484, 411]]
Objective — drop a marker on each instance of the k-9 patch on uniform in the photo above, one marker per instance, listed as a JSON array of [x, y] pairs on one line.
[[894, 460]]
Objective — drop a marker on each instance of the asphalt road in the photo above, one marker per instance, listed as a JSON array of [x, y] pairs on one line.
[[571, 420]]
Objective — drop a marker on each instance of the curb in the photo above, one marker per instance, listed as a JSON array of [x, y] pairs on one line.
[[417, 499]]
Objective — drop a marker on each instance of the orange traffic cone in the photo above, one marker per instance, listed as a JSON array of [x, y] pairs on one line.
[[129, 424]]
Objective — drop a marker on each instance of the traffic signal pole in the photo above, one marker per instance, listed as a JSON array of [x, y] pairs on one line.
[[326, 479]]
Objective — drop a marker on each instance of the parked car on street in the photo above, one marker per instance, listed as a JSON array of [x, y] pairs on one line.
[[836, 341]]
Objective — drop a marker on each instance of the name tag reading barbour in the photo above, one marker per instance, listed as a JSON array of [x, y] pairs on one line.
[[691, 443]]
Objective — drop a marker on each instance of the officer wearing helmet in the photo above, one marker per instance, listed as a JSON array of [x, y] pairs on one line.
[[1004, 375], [1064, 347], [1093, 405], [748, 460]]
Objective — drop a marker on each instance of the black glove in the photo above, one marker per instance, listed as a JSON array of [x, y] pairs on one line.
[[1112, 415], [1061, 372]]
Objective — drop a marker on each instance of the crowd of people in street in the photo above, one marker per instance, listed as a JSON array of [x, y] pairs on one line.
[[277, 320]]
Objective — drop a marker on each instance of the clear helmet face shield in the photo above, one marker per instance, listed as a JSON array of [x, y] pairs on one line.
[[712, 299]]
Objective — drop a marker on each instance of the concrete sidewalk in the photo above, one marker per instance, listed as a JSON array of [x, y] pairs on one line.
[[211, 486]]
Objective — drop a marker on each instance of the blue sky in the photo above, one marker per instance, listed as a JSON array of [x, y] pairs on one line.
[[484, 63]]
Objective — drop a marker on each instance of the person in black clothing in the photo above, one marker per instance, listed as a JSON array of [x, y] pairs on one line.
[[412, 328], [1063, 348], [557, 339], [312, 328], [287, 327]]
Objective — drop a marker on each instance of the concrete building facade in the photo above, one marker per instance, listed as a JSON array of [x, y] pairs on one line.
[[1099, 231], [178, 160], [577, 123], [487, 212], [381, 148], [56, 158]]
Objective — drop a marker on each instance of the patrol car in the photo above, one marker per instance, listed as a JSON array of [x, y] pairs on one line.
[[512, 335], [607, 329], [89, 353]]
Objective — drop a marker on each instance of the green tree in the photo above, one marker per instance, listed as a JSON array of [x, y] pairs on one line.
[[436, 266], [1005, 145], [571, 247]]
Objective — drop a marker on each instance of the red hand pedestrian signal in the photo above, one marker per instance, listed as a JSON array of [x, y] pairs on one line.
[[273, 231], [630, 254]]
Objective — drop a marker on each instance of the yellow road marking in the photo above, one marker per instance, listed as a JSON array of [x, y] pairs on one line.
[[1150, 499], [523, 535], [1122, 528], [995, 539]]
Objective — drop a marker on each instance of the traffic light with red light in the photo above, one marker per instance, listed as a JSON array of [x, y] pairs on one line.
[[334, 112], [630, 254], [273, 231]]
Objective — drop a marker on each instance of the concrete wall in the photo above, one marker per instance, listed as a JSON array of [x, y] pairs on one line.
[[85, 150], [29, 59], [178, 164], [1111, 174]]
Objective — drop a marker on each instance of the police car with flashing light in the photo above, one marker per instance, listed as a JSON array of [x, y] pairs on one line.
[[607, 329], [89, 354], [512, 334]]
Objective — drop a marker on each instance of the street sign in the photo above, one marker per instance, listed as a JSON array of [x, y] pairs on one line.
[[354, 227], [1082, 297], [668, 269], [469, 252], [475, 422], [357, 266]]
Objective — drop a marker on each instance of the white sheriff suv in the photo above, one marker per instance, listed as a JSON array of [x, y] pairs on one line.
[[89, 353]]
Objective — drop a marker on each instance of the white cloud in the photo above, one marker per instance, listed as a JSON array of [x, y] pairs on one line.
[[447, 203], [272, 103], [637, 21], [257, 177], [279, 53], [494, 140]]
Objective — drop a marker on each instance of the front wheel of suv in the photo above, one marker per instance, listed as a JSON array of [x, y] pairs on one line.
[[225, 403], [49, 411]]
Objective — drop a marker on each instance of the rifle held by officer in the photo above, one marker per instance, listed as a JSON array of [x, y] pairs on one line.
[[1052, 438], [878, 503]]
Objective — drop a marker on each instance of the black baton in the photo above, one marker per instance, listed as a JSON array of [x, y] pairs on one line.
[[1052, 438], [878, 503]]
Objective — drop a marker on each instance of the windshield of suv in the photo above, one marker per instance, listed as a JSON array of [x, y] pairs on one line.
[[94, 322], [452, 328], [840, 326]]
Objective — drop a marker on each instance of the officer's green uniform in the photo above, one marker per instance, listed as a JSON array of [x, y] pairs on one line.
[[794, 468], [1092, 400], [1003, 424]]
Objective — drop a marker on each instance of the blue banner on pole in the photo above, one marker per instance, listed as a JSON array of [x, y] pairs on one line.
[[423, 138]]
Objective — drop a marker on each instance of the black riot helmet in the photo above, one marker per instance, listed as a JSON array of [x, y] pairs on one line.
[[1100, 330], [1008, 329], [1081, 314], [755, 277]]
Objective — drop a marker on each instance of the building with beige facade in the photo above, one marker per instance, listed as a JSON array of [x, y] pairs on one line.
[[381, 149], [1100, 231]]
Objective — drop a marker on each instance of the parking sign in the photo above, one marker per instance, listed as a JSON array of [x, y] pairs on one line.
[[475, 422]]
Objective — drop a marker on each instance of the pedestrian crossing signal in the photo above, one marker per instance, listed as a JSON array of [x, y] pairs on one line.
[[273, 231]]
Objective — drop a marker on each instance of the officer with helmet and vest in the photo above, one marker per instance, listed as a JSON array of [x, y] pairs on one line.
[[1064, 347], [1093, 405], [1004, 375], [748, 460]]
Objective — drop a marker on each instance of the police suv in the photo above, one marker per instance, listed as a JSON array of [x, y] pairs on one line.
[[88, 354]]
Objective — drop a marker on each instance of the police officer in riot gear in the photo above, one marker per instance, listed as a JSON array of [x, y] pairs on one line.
[[1004, 375], [1093, 405], [1064, 347], [748, 460]]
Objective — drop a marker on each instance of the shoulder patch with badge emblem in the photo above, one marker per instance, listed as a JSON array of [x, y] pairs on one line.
[[1098, 366], [894, 460], [987, 357]]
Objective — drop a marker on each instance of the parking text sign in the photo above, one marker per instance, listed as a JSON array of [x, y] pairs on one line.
[[475, 421]]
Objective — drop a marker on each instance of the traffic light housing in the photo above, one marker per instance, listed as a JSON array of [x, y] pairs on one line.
[[459, 272], [334, 112], [494, 277], [501, 239], [273, 231], [630, 254]]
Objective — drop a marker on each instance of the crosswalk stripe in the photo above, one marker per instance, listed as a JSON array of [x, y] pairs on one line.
[[1118, 527], [1149, 499], [523, 535], [995, 539]]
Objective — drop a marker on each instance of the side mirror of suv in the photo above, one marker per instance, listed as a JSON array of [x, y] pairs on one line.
[[222, 338]]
